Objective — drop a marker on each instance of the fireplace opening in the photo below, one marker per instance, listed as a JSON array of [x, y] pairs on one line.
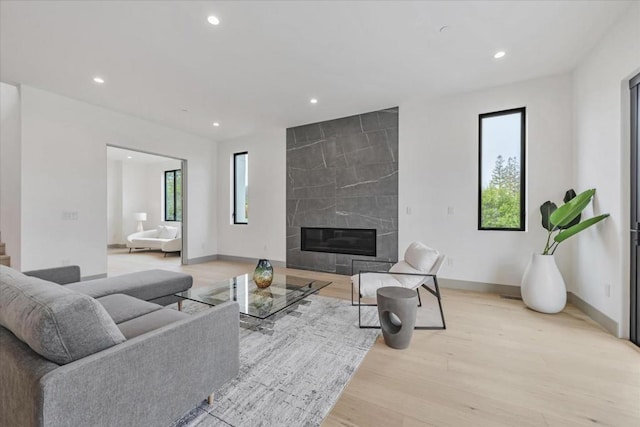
[[351, 241]]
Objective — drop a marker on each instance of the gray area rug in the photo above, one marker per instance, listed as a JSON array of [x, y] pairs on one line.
[[292, 370]]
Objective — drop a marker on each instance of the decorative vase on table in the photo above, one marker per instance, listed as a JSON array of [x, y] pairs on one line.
[[263, 274], [543, 287]]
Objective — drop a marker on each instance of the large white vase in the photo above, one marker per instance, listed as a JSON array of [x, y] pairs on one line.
[[543, 287]]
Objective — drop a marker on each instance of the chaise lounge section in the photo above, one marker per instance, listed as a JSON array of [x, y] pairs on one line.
[[99, 353]]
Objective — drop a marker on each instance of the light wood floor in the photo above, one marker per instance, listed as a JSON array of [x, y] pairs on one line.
[[497, 364]]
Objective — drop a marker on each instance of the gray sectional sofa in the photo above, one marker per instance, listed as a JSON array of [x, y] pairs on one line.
[[104, 353]]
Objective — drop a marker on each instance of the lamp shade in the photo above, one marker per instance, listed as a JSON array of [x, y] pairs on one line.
[[140, 216]]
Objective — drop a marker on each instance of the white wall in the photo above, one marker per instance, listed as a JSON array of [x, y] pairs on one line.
[[601, 139], [114, 202], [265, 235], [134, 196], [10, 165], [155, 191], [439, 169], [64, 169]]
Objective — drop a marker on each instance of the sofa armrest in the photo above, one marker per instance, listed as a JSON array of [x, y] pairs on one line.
[[174, 245], [143, 234], [59, 275], [171, 369]]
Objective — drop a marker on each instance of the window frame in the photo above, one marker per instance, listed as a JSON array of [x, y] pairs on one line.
[[235, 187], [523, 144], [175, 204]]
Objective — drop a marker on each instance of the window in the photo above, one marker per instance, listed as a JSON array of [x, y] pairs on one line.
[[173, 195], [241, 188], [502, 170]]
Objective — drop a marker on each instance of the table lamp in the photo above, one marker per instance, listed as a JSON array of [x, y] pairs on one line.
[[140, 216]]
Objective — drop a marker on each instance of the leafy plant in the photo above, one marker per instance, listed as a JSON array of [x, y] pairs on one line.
[[564, 221]]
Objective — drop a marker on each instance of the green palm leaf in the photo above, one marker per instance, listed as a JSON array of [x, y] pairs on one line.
[[570, 210], [565, 234]]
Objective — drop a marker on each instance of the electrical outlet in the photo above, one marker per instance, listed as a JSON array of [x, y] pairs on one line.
[[451, 210], [408, 210], [65, 262], [607, 290]]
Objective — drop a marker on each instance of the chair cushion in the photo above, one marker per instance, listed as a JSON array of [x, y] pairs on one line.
[[407, 280], [420, 256], [123, 307], [56, 322], [372, 281]]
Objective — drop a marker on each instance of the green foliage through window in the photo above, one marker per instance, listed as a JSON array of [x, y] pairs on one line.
[[501, 170], [173, 195]]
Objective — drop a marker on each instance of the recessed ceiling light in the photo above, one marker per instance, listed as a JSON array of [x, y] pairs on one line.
[[129, 157], [98, 80], [313, 101], [500, 54], [213, 20], [216, 124]]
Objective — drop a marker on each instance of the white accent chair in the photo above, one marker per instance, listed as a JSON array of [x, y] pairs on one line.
[[167, 238], [419, 269]]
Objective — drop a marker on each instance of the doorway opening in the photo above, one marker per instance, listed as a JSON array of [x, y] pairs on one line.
[[146, 210]]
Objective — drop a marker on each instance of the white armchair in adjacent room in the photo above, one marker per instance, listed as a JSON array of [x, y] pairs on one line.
[[167, 238], [419, 269]]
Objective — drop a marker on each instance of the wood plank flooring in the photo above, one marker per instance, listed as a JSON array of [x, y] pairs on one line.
[[497, 364]]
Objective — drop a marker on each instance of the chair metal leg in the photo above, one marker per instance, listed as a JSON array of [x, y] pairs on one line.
[[435, 281], [419, 300], [129, 250]]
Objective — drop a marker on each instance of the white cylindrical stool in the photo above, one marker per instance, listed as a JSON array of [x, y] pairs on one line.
[[397, 309]]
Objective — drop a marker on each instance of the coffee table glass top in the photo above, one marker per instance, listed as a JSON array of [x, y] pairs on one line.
[[284, 291]]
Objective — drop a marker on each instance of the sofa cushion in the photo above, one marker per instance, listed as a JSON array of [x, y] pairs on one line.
[[420, 256], [10, 272], [167, 232], [145, 285], [56, 322], [151, 321], [123, 307]]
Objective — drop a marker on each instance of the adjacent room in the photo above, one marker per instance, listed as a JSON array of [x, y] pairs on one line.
[[304, 213], [144, 208]]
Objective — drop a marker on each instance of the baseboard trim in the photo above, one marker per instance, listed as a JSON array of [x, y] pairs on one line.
[[95, 276], [494, 288], [116, 246], [201, 259], [596, 315], [249, 260]]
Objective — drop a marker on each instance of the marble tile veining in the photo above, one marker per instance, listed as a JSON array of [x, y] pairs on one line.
[[343, 173]]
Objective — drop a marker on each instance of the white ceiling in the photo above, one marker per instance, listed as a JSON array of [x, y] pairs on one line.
[[261, 65]]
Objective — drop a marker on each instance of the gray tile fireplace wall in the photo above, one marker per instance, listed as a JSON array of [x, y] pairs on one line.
[[343, 173]]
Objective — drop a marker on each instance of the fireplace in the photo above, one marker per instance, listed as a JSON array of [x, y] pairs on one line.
[[352, 241]]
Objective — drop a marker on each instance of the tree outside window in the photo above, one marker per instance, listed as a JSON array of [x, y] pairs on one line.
[[173, 195], [501, 170]]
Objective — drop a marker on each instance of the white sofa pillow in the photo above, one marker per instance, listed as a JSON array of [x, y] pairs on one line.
[[420, 256], [166, 232]]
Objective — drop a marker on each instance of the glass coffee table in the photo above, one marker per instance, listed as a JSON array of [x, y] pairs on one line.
[[284, 291]]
